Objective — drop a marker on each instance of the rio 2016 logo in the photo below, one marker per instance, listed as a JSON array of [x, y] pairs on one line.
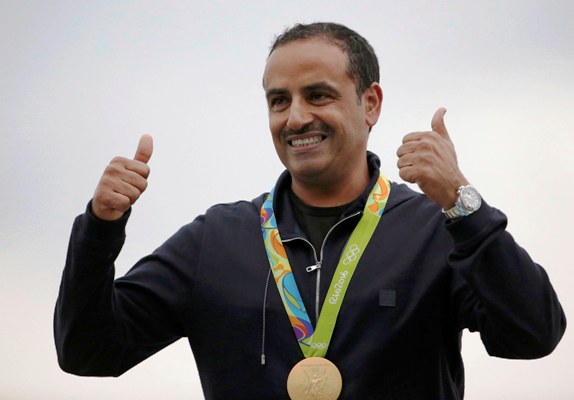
[[338, 287], [350, 256]]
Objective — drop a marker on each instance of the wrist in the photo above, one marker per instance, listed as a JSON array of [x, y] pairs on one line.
[[468, 200]]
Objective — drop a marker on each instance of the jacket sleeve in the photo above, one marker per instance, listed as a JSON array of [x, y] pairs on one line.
[[104, 327], [500, 292]]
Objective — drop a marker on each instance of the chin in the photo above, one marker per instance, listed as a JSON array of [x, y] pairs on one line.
[[306, 172]]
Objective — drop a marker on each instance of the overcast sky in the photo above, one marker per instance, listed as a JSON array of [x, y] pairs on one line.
[[81, 81]]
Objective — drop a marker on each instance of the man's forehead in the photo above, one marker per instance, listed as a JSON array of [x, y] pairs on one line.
[[319, 47], [312, 58]]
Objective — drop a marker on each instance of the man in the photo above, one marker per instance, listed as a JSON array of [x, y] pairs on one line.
[[372, 282]]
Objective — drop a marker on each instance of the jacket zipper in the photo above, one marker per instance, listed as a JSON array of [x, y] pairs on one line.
[[319, 261]]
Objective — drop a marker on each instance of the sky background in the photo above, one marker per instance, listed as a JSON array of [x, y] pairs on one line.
[[81, 81]]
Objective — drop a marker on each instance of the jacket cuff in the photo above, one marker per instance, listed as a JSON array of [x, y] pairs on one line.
[[98, 229], [484, 221]]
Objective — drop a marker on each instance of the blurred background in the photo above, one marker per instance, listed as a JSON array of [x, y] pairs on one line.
[[81, 81]]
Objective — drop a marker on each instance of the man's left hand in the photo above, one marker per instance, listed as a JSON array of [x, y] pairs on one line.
[[429, 160]]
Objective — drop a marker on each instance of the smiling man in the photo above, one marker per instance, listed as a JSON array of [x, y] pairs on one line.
[[337, 283], [320, 124]]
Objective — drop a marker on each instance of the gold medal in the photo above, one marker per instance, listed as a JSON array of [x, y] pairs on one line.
[[314, 378]]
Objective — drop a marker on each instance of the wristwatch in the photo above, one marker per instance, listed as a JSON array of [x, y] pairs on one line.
[[468, 201]]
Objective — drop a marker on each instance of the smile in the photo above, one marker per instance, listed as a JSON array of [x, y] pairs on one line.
[[307, 141]]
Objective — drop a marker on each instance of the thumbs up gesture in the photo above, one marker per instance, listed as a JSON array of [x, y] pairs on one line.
[[429, 159], [122, 183]]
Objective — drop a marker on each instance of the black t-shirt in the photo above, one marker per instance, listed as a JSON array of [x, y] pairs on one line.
[[315, 221]]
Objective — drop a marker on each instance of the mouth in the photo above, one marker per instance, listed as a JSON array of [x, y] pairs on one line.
[[304, 142]]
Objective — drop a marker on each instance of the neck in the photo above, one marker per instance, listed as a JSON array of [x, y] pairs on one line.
[[331, 194]]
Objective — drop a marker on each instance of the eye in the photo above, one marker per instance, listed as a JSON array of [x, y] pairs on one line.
[[278, 103], [319, 97]]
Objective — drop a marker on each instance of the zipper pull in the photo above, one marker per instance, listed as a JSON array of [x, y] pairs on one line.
[[312, 268]]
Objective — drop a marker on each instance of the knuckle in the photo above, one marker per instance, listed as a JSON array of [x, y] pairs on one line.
[[112, 169], [117, 160], [405, 175], [425, 144], [145, 170], [106, 185], [400, 151]]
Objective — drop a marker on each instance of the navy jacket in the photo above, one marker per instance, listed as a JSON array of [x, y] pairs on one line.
[[420, 282]]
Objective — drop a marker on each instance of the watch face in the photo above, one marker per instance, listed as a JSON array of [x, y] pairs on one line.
[[470, 198]]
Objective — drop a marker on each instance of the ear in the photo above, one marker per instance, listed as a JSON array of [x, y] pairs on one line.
[[373, 102]]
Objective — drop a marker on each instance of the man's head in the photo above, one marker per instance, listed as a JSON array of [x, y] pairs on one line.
[[362, 63], [319, 118]]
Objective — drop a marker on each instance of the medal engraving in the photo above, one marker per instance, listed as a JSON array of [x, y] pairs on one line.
[[314, 378]]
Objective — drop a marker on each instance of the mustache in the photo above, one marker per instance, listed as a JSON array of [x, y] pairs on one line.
[[315, 126]]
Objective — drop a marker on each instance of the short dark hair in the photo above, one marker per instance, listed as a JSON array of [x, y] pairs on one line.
[[362, 65]]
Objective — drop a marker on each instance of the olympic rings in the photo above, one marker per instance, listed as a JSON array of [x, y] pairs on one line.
[[351, 254]]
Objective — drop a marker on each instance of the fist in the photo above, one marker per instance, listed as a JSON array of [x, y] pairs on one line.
[[428, 159], [122, 183]]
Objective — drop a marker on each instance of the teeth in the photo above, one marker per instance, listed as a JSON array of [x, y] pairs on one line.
[[306, 141]]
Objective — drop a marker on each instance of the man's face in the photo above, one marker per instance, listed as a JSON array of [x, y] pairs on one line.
[[319, 127]]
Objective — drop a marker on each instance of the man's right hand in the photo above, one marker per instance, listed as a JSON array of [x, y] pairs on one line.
[[122, 183]]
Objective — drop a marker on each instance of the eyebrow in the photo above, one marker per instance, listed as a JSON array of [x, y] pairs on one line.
[[275, 92], [320, 86], [309, 88]]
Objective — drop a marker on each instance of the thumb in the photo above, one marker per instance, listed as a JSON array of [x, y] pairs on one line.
[[145, 149], [437, 123]]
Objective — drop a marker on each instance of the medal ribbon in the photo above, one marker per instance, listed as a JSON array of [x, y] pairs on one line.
[[314, 343]]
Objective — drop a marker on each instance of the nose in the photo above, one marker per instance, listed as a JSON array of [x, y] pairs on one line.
[[299, 115]]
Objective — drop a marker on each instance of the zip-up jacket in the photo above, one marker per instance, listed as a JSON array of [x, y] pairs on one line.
[[420, 282]]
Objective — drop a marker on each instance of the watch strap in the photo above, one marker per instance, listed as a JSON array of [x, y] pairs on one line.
[[459, 210]]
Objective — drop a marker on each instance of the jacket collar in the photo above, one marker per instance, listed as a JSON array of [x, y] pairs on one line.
[[285, 215]]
